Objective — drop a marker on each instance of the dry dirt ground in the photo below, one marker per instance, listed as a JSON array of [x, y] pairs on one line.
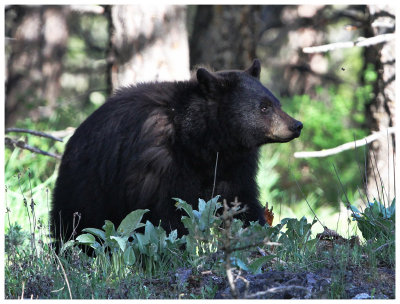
[[272, 284]]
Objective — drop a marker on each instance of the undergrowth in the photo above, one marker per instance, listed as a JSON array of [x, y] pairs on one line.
[[127, 263]]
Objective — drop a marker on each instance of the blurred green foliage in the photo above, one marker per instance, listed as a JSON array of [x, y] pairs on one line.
[[84, 80], [30, 176], [334, 116]]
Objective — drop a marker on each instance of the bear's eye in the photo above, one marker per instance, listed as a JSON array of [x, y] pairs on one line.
[[264, 109]]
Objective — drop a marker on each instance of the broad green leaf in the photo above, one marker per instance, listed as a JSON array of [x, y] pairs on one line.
[[214, 200], [96, 232], [86, 238], [188, 223], [122, 241], [202, 205], [392, 208], [197, 214], [97, 247], [181, 204], [172, 236], [149, 231], [208, 214], [239, 263], [131, 222], [256, 265], [67, 245], [109, 228], [129, 256], [354, 209], [153, 249], [143, 240]]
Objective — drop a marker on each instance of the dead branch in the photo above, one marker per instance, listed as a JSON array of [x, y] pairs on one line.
[[227, 217], [276, 290], [63, 133], [33, 132], [88, 9], [12, 143], [360, 42], [346, 146]]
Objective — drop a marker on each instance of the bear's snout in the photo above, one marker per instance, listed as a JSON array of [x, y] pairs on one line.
[[296, 128]]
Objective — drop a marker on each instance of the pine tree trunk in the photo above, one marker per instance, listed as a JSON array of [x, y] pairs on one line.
[[148, 43], [224, 36], [381, 111], [34, 52]]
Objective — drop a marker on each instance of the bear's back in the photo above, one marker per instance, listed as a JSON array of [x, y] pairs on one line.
[[122, 144]]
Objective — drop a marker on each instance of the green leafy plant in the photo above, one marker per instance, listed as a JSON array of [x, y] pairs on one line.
[[297, 237], [201, 225], [255, 233], [154, 246], [376, 221], [15, 237], [125, 246]]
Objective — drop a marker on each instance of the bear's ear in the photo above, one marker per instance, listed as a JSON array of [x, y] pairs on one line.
[[207, 80], [255, 69]]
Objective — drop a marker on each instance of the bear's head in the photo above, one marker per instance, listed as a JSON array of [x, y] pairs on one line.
[[251, 112]]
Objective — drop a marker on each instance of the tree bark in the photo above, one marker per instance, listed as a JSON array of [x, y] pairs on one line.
[[224, 36], [381, 110], [34, 51], [231, 36], [148, 43]]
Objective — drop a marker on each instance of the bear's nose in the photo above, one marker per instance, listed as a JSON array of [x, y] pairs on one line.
[[296, 127]]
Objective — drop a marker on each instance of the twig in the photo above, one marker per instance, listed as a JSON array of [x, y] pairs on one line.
[[215, 175], [21, 144], [32, 205], [373, 171], [227, 218], [383, 246], [382, 186], [343, 190], [23, 288], [252, 246], [65, 275], [362, 177], [360, 42], [277, 289], [33, 132], [346, 146]]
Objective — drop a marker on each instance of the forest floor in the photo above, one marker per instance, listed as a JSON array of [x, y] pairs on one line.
[[353, 281], [256, 262], [273, 284]]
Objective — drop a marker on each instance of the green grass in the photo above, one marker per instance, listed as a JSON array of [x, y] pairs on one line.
[[29, 177]]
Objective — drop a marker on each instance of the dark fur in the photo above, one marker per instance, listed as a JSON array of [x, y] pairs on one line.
[[155, 141]]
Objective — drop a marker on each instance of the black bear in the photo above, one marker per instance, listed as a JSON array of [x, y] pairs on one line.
[[152, 142]]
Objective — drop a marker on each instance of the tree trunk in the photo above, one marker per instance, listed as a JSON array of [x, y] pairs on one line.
[[224, 36], [231, 36], [35, 47], [381, 110], [148, 43]]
